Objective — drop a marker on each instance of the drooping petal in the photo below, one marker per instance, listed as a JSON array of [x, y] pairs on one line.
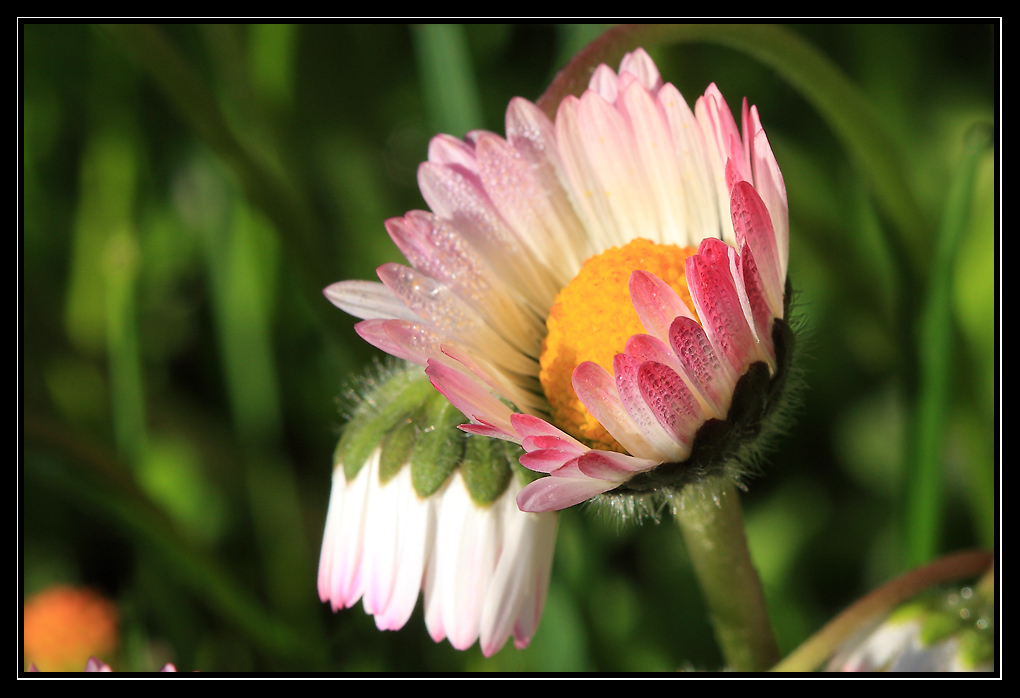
[[379, 557], [340, 579], [467, 541], [416, 531], [517, 590]]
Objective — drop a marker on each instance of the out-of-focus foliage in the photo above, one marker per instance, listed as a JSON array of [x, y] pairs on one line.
[[187, 192]]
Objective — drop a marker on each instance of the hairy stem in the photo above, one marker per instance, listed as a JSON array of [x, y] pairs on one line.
[[712, 525]]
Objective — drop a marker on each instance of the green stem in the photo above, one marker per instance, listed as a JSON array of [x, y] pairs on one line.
[[712, 525]]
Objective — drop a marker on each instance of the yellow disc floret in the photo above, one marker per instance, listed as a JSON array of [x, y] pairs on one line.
[[593, 318]]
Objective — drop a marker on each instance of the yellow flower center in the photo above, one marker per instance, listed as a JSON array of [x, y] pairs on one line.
[[592, 319]]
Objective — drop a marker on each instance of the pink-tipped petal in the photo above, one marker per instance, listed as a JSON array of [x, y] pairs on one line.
[[710, 380], [710, 276], [758, 306], [605, 82], [488, 430], [753, 227], [535, 443], [529, 425], [452, 152], [555, 493], [367, 300], [672, 403], [596, 389], [612, 467], [411, 341], [547, 460], [768, 182], [667, 445], [469, 396], [656, 303], [639, 64]]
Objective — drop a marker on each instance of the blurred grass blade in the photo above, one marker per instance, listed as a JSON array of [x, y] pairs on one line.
[[124, 354], [191, 96], [241, 262], [924, 506], [272, 54], [448, 82]]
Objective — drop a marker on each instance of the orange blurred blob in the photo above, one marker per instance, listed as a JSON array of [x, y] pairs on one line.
[[64, 626]]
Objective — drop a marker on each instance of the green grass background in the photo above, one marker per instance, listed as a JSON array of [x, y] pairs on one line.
[[187, 191]]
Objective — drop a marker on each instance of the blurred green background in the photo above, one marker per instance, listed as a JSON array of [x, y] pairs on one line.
[[189, 190]]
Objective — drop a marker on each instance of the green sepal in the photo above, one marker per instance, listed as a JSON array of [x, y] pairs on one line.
[[401, 414], [439, 447], [397, 447], [486, 469], [387, 402]]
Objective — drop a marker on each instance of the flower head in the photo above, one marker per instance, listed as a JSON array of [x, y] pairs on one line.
[[602, 289]]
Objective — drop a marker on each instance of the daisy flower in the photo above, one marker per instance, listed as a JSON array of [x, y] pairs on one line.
[[596, 288]]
